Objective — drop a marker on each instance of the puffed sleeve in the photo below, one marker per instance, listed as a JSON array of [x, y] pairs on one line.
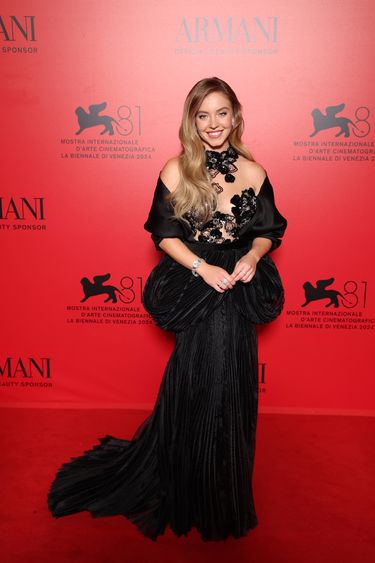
[[161, 223], [268, 221]]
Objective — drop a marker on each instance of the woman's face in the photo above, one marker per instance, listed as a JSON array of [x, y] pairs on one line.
[[214, 121]]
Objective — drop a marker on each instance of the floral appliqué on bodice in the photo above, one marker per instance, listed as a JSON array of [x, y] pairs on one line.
[[224, 227]]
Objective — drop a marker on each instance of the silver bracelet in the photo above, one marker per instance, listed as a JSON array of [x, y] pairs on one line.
[[196, 263]]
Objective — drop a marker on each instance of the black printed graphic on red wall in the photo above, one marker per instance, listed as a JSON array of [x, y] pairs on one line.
[[89, 119], [91, 289], [320, 291], [330, 120]]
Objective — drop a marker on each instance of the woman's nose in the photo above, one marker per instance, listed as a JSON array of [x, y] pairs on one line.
[[213, 122]]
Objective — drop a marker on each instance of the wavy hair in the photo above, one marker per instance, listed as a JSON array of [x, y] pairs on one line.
[[194, 192]]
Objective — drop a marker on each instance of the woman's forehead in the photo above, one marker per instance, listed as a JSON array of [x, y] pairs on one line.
[[213, 101]]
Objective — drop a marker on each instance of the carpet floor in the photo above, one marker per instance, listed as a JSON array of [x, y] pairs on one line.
[[314, 490]]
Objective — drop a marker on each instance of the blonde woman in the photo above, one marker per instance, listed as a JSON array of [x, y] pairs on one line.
[[190, 463]]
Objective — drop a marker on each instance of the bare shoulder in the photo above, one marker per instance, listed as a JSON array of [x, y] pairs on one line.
[[170, 173], [254, 173]]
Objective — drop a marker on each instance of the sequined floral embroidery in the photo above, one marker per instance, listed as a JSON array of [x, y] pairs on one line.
[[224, 227]]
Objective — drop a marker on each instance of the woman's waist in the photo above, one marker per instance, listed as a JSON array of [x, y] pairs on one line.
[[223, 246]]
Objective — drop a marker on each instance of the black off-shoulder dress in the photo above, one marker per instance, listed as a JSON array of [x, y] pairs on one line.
[[190, 463]]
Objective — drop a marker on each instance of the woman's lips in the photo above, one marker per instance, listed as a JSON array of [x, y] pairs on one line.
[[214, 134]]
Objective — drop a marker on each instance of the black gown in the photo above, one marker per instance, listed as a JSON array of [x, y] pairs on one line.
[[190, 463]]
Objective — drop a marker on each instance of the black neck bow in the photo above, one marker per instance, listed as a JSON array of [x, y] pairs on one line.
[[222, 162]]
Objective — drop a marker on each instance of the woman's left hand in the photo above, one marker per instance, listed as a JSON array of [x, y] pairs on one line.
[[245, 268]]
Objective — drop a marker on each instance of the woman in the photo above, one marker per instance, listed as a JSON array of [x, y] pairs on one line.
[[190, 463]]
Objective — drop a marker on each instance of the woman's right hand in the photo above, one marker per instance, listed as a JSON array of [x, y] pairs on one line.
[[214, 276]]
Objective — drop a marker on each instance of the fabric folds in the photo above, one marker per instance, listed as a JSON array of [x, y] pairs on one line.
[[160, 221], [176, 299]]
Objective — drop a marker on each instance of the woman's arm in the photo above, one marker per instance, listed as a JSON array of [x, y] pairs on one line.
[[269, 223], [176, 248], [260, 247], [245, 267]]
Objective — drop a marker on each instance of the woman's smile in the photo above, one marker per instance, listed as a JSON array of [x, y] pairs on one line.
[[214, 134]]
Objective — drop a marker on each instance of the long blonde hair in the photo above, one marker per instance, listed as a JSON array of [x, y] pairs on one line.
[[194, 190]]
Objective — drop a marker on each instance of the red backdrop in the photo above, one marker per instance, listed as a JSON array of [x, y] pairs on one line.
[[74, 199]]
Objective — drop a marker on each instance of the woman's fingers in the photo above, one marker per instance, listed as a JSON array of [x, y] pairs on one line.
[[244, 274], [248, 278], [225, 280], [242, 271], [240, 274]]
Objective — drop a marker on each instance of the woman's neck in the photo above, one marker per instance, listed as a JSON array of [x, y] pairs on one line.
[[218, 149]]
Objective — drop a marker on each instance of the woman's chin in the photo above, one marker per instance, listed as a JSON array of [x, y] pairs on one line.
[[216, 143]]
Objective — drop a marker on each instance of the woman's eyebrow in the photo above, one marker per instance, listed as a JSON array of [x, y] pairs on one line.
[[224, 107]]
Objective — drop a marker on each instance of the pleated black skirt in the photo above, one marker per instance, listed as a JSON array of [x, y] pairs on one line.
[[190, 463]]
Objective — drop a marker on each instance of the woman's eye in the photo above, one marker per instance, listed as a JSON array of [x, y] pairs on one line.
[[223, 113], [201, 116]]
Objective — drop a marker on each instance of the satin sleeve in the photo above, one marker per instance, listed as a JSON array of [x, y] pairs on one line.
[[268, 221], [161, 222]]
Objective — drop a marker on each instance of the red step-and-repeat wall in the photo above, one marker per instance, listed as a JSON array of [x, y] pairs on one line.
[[91, 98]]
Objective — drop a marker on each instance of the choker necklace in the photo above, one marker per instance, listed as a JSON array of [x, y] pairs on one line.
[[222, 162]]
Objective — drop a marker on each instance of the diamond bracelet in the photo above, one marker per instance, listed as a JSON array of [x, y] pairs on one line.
[[195, 266]]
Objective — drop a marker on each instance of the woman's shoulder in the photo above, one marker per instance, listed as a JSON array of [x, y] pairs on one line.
[[254, 173], [170, 173]]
